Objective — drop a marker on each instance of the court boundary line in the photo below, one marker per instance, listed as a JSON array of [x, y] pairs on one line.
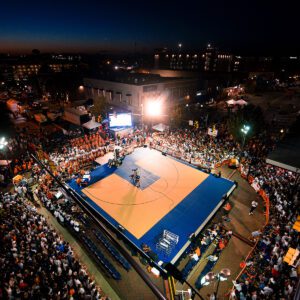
[[204, 223], [136, 204]]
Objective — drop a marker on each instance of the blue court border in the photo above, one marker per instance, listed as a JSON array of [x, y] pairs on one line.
[[188, 217]]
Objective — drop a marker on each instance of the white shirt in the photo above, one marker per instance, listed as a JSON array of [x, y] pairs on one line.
[[254, 204]]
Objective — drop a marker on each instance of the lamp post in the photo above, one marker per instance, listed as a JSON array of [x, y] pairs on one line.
[[245, 129], [210, 277], [3, 143]]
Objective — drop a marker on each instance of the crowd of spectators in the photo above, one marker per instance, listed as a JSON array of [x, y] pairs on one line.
[[266, 275], [35, 262], [197, 147]]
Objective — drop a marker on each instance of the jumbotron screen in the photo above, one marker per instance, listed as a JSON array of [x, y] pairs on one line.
[[120, 120]]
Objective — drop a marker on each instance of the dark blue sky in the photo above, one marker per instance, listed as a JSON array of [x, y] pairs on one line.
[[104, 25]]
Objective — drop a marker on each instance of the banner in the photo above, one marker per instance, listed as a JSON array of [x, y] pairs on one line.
[[212, 131]]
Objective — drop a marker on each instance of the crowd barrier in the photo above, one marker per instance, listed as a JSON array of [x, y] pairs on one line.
[[178, 155], [259, 190], [266, 199]]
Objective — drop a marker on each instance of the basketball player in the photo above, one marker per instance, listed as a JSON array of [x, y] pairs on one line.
[[137, 178]]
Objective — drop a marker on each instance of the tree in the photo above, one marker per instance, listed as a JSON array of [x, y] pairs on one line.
[[250, 115], [100, 107]]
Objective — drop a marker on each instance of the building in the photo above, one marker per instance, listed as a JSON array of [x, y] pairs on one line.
[[133, 91], [23, 67], [207, 60]]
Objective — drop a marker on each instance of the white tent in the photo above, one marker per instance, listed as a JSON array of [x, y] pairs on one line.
[[5, 162], [91, 124], [241, 102], [231, 102], [160, 127]]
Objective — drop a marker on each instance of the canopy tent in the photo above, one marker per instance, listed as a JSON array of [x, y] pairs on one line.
[[5, 162], [230, 102], [241, 102], [91, 124], [17, 179], [160, 127], [286, 155]]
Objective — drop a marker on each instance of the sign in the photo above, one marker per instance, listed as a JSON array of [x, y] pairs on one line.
[[212, 131]]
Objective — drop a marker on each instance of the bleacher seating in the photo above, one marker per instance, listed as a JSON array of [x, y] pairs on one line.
[[210, 264], [192, 263], [101, 258], [115, 253], [84, 220]]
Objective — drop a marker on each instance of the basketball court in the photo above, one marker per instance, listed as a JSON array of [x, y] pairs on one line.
[[174, 200]]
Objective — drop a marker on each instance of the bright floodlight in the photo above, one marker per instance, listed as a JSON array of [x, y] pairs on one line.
[[3, 143], [153, 108], [245, 129]]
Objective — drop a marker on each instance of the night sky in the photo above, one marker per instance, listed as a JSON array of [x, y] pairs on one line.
[[92, 26]]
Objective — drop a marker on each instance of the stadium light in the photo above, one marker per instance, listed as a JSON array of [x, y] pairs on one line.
[[154, 108], [3, 143]]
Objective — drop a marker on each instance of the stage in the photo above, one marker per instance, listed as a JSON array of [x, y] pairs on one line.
[[173, 196]]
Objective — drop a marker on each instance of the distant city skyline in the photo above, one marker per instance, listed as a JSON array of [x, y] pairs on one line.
[[93, 26]]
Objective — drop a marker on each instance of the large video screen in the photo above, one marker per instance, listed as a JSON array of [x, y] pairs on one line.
[[120, 120]]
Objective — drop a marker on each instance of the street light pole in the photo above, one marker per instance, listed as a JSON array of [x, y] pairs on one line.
[[245, 129], [217, 289]]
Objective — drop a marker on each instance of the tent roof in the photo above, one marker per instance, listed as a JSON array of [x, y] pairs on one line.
[[287, 154], [5, 162], [241, 102], [230, 102], [91, 124]]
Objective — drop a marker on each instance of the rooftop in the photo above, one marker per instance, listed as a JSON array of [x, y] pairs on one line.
[[135, 78], [287, 155]]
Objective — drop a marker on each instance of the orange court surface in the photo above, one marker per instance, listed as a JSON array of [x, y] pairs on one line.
[[139, 210], [174, 200]]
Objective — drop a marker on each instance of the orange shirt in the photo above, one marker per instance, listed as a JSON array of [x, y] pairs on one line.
[[221, 245], [227, 206]]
